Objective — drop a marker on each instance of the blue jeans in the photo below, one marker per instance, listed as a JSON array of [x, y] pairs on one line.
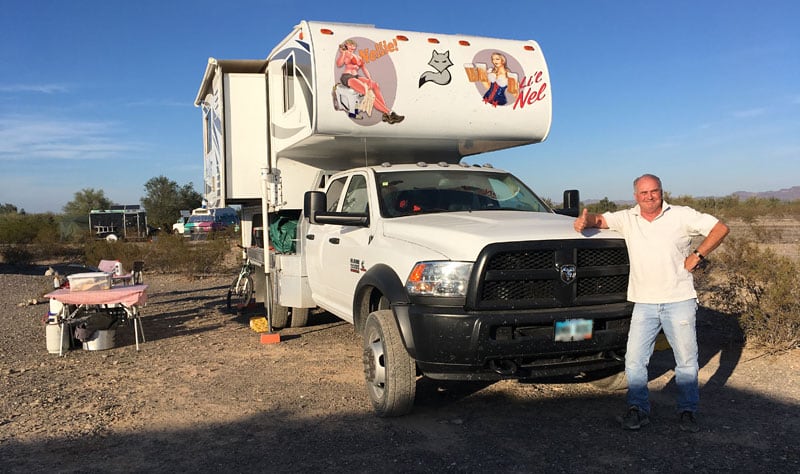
[[678, 321]]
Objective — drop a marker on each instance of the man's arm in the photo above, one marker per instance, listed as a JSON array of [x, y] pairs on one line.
[[586, 220], [712, 241]]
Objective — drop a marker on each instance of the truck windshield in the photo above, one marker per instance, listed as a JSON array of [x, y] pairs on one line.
[[404, 193]]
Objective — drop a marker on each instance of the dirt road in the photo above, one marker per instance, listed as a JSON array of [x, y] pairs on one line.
[[203, 394]]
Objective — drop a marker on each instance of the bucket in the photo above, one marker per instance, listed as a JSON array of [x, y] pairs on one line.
[[102, 339], [52, 334]]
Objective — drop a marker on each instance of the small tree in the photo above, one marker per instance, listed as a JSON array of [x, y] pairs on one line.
[[602, 206], [164, 200], [9, 209], [85, 200]]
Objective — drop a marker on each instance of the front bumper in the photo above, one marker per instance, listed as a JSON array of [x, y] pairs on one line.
[[448, 343]]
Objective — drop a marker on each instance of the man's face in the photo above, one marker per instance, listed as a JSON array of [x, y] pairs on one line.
[[648, 195]]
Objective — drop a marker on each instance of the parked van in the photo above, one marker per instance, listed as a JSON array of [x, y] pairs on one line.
[[204, 220]]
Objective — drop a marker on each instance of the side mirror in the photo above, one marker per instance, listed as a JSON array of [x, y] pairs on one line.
[[572, 203], [315, 204]]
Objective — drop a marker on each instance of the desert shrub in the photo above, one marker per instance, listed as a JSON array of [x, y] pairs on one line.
[[26, 228], [16, 254], [761, 289], [166, 254]]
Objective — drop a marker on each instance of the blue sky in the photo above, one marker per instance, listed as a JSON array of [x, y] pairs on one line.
[[99, 94]]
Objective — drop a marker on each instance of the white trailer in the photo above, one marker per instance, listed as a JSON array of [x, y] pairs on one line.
[[343, 125]]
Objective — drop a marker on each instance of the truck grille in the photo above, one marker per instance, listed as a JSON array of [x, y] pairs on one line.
[[522, 275]]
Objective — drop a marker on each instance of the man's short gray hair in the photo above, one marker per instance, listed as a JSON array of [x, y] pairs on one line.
[[647, 175]]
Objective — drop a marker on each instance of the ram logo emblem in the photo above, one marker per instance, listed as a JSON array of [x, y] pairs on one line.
[[568, 273]]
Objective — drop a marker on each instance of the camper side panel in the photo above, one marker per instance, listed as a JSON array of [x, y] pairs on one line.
[[445, 86], [245, 135]]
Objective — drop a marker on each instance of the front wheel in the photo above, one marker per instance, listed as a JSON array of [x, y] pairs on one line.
[[389, 371], [240, 293]]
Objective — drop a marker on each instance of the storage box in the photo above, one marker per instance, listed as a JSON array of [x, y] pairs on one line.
[[89, 281]]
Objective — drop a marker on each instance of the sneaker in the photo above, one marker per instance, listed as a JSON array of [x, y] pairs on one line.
[[688, 422], [392, 118], [635, 419]]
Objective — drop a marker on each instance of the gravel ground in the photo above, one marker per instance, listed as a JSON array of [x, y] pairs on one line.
[[204, 394]]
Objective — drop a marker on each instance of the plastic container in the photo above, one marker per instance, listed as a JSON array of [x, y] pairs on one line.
[[53, 333], [89, 281], [101, 340]]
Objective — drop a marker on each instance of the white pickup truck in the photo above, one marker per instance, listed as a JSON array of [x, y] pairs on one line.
[[358, 137]]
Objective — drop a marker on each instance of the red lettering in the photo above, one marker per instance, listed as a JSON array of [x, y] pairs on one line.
[[529, 97]]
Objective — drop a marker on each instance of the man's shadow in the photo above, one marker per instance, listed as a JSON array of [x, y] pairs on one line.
[[718, 335]]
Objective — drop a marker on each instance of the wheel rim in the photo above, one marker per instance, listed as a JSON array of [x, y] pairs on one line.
[[374, 355]]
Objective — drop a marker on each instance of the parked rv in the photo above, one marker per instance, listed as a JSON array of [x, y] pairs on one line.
[[348, 145]]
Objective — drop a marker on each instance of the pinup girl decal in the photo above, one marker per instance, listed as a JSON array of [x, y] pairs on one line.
[[363, 84], [497, 81], [501, 84]]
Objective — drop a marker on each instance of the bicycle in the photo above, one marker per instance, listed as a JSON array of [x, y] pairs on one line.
[[240, 293]]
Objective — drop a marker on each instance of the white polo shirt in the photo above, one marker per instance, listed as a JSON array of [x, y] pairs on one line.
[[658, 249]]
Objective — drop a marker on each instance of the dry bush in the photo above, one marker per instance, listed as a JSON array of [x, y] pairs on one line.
[[761, 289], [166, 254]]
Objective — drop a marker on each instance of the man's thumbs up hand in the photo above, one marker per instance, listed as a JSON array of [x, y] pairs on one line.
[[581, 222]]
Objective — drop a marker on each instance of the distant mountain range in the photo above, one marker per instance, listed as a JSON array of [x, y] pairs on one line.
[[789, 194]]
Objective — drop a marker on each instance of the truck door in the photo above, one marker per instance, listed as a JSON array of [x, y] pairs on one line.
[[338, 251]]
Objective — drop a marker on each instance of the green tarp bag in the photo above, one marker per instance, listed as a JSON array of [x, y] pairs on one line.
[[282, 233]]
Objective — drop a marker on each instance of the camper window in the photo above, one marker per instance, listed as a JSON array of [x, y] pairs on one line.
[[288, 84]]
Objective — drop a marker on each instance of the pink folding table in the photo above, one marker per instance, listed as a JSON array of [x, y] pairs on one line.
[[129, 298]]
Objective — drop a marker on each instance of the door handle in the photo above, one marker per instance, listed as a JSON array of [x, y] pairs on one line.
[[310, 236], [334, 240]]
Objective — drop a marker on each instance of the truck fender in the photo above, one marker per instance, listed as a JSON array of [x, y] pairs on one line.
[[385, 280]]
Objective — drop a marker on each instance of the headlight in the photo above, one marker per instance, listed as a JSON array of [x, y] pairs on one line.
[[439, 279]]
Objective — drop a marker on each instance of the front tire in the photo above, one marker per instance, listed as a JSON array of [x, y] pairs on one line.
[[389, 371]]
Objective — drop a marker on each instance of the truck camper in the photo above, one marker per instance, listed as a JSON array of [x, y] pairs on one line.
[[351, 140]]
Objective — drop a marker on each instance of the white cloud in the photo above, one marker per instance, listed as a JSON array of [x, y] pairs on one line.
[[749, 113], [45, 138], [41, 88]]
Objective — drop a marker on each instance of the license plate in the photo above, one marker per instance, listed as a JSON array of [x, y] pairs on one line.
[[574, 330]]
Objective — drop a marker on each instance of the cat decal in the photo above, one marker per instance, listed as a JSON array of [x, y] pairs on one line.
[[440, 62]]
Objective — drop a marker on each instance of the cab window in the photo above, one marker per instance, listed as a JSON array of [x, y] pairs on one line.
[[356, 199], [333, 193]]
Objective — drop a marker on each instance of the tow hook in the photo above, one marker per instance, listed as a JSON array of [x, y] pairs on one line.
[[503, 366]]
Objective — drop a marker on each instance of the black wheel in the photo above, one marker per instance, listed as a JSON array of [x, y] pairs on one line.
[[610, 381], [280, 314], [240, 293], [299, 317], [389, 371]]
